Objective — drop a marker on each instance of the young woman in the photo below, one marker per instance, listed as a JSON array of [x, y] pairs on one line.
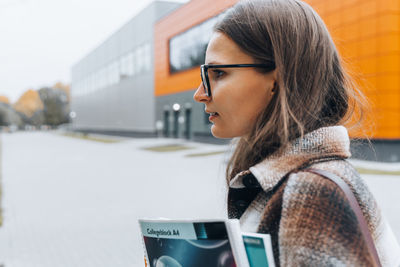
[[273, 78]]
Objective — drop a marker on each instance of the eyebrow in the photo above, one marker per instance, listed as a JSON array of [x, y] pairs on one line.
[[214, 63]]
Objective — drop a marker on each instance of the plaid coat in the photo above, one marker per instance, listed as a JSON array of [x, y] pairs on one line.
[[310, 221]]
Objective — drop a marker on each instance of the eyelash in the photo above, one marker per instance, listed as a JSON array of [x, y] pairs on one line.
[[218, 73]]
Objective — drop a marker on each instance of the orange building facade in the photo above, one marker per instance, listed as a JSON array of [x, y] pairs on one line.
[[193, 13], [366, 33]]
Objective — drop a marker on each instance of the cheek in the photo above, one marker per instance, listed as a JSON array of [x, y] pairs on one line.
[[252, 102], [240, 105], [261, 102], [251, 107], [241, 116]]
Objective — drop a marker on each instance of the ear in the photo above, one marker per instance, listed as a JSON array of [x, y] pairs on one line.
[[274, 75]]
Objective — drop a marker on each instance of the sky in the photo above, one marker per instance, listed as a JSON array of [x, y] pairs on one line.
[[41, 39]]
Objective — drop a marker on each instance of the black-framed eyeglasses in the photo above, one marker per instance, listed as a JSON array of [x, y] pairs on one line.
[[204, 72]]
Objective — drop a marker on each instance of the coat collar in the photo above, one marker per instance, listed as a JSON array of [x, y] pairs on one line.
[[324, 143]]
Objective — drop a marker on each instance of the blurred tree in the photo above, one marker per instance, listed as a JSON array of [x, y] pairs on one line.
[[8, 116], [4, 99], [63, 87], [56, 105], [29, 103], [31, 107], [37, 118], [48, 105]]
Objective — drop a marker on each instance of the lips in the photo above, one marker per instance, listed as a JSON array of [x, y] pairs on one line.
[[213, 116], [211, 113]]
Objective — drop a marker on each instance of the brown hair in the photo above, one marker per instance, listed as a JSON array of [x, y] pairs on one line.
[[312, 89]]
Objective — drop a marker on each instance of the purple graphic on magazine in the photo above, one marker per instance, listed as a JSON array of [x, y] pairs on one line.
[[209, 246], [181, 253]]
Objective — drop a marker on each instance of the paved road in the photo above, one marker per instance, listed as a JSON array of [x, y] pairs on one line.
[[72, 202]]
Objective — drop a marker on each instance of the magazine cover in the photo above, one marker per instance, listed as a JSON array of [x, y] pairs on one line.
[[259, 249], [187, 243]]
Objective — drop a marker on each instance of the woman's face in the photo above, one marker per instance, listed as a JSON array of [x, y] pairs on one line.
[[238, 95]]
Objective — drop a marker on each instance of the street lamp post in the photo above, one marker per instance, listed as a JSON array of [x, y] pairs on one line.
[[176, 107], [188, 112], [166, 121]]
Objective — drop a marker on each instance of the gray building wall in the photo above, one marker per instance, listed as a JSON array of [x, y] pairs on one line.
[[113, 86]]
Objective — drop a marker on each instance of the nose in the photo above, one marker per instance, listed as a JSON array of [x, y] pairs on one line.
[[200, 95]]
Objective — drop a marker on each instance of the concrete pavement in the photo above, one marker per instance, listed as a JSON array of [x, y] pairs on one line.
[[72, 202]]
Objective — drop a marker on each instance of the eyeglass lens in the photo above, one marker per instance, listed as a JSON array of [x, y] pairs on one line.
[[204, 80]]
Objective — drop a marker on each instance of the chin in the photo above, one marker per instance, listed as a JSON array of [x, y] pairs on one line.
[[217, 133]]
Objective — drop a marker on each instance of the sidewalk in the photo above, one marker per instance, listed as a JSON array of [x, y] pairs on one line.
[[75, 202]]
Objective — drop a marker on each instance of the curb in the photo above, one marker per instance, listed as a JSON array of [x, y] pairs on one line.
[[375, 167]]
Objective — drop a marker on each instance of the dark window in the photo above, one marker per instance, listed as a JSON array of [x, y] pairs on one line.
[[187, 49]]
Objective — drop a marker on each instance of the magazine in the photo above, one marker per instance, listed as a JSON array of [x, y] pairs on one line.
[[195, 243], [258, 249]]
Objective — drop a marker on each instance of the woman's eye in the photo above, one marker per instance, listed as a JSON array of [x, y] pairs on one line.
[[218, 73]]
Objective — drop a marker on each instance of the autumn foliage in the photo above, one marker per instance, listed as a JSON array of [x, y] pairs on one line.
[[29, 103], [46, 106], [4, 99]]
